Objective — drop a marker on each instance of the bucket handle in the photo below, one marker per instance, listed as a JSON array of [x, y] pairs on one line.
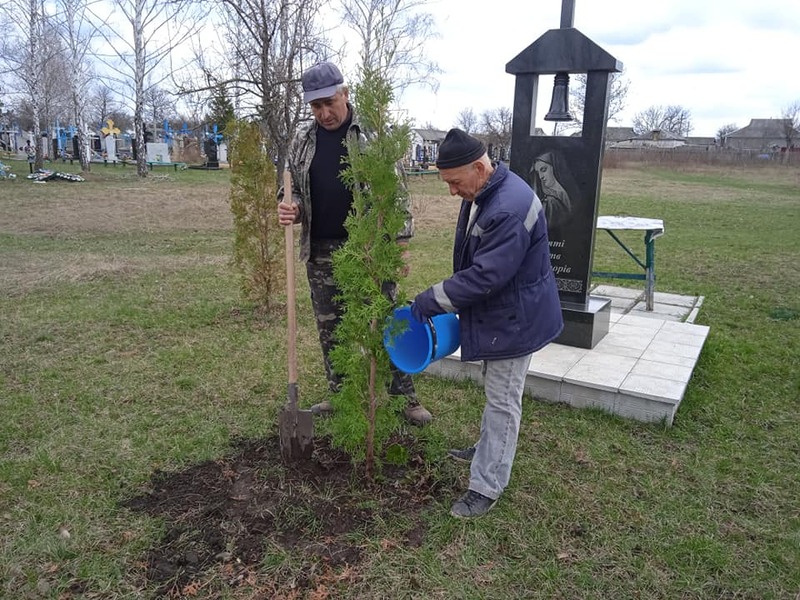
[[434, 342]]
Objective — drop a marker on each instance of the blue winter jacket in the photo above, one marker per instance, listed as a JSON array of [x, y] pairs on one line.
[[502, 287]]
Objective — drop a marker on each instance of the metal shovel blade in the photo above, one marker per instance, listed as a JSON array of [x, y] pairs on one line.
[[296, 429], [297, 434]]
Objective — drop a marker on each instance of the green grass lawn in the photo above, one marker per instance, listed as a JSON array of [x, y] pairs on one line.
[[125, 348]]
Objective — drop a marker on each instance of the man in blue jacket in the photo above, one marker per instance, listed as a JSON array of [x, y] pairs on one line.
[[505, 294]]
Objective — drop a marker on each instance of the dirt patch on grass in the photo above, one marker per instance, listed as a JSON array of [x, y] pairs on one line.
[[248, 522]]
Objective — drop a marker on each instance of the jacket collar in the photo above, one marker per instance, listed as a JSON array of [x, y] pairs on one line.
[[500, 172]]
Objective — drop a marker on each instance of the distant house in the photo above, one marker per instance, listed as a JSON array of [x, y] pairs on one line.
[[709, 143], [613, 134], [424, 147], [657, 138], [761, 135], [618, 134]]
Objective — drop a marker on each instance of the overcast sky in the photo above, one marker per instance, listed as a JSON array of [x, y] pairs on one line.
[[727, 61]]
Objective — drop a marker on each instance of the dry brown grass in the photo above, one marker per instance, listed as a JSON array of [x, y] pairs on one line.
[[123, 208], [716, 184], [434, 211], [21, 272], [117, 203]]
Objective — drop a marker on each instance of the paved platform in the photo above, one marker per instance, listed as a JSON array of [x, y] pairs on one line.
[[639, 370]]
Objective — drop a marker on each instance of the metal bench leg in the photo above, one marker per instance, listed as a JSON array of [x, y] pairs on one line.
[[650, 270]]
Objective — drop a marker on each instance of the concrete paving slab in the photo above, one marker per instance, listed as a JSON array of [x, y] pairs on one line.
[[653, 388], [662, 370], [640, 321], [600, 371], [639, 370], [668, 312], [674, 299], [617, 292]]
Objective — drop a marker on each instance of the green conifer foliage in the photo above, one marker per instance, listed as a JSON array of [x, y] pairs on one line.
[[220, 110], [365, 417], [258, 239]]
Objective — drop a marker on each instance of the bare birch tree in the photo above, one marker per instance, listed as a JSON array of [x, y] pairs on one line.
[[724, 131], [495, 125], [617, 97], [152, 31], [673, 118], [269, 44], [76, 33], [790, 126], [24, 56], [392, 35], [159, 106], [467, 120]]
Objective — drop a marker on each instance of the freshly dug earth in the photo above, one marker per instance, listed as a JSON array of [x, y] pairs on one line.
[[224, 516]]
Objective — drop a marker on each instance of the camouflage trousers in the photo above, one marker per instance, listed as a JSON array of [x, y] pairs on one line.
[[328, 312]]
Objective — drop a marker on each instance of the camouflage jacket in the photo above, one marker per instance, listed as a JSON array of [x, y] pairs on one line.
[[298, 161]]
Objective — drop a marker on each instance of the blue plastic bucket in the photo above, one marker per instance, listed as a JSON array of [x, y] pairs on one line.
[[421, 343]]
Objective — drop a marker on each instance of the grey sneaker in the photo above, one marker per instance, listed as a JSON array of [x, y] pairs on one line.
[[472, 504], [323, 409], [417, 415], [462, 455]]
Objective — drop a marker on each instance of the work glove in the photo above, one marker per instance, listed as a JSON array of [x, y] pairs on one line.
[[417, 313], [425, 306]]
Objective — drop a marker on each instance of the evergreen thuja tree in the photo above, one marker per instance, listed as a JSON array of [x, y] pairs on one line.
[[221, 110], [258, 239], [365, 414]]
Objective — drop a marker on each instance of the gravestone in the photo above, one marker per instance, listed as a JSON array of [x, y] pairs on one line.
[[564, 171], [110, 131], [157, 152], [210, 150]]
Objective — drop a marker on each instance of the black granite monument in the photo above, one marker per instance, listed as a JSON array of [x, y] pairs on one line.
[[210, 149], [566, 171]]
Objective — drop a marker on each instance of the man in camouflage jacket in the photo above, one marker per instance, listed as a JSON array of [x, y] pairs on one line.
[[315, 161]]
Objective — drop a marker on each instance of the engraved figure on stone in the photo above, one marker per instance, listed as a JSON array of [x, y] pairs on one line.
[[550, 177]]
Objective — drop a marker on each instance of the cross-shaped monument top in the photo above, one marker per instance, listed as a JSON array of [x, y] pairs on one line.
[[110, 129], [567, 13]]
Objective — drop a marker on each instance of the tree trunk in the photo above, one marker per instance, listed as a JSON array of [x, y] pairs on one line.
[[373, 405], [138, 113], [83, 154], [34, 79]]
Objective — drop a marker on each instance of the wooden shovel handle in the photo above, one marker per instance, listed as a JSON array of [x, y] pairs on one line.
[[291, 316]]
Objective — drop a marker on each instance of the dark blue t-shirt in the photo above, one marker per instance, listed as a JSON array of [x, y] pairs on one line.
[[330, 198]]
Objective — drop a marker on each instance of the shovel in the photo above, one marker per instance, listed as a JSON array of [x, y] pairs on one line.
[[296, 427]]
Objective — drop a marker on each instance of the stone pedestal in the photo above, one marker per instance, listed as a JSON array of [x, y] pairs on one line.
[[111, 148], [585, 324]]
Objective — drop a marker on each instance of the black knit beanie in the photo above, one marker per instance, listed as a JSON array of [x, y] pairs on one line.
[[459, 149]]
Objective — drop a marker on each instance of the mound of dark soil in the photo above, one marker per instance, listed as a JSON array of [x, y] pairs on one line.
[[224, 514]]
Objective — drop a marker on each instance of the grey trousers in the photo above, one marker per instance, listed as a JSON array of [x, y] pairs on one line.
[[503, 383]]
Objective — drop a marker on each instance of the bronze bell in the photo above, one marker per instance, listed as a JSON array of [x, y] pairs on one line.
[[559, 105]]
